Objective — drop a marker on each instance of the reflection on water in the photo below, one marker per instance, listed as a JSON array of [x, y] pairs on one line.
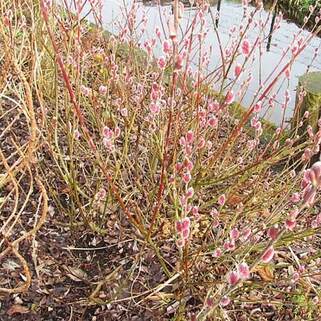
[[187, 3], [231, 13]]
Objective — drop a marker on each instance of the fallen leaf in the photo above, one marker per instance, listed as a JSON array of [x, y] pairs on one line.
[[76, 274], [17, 308], [265, 272], [234, 200]]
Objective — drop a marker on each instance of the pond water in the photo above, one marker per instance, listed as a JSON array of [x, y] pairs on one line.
[[231, 13]]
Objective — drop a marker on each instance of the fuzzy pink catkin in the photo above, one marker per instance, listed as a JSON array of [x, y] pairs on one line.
[[185, 234], [246, 47], [201, 143], [186, 223], [244, 271], [246, 233], [221, 200], [214, 212], [307, 154], [195, 212], [154, 108], [186, 178], [209, 302], [190, 192], [182, 141], [188, 149], [237, 70], [290, 224], [6, 21], [316, 168], [273, 232], [178, 166], [309, 195], [188, 164], [182, 226], [179, 62], [229, 97], [117, 131], [161, 62], [190, 136], [295, 277], [179, 226], [217, 252], [268, 255], [107, 132], [258, 107], [213, 121], [229, 245], [317, 221], [101, 194], [85, 90], [102, 90], [234, 234], [124, 112], [157, 32], [287, 73], [225, 301], [108, 144], [166, 47], [233, 277]]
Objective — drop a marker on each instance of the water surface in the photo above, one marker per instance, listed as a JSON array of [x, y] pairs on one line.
[[231, 14]]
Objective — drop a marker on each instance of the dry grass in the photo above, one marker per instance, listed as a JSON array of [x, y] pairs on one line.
[[107, 164]]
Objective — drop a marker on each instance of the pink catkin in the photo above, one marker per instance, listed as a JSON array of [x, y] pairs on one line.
[[244, 271], [268, 255], [186, 178], [225, 301], [190, 192], [161, 62], [217, 252], [102, 90], [190, 137], [273, 232], [234, 234], [221, 200], [166, 47], [237, 70], [212, 122], [229, 97], [246, 47], [233, 277], [290, 224]]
